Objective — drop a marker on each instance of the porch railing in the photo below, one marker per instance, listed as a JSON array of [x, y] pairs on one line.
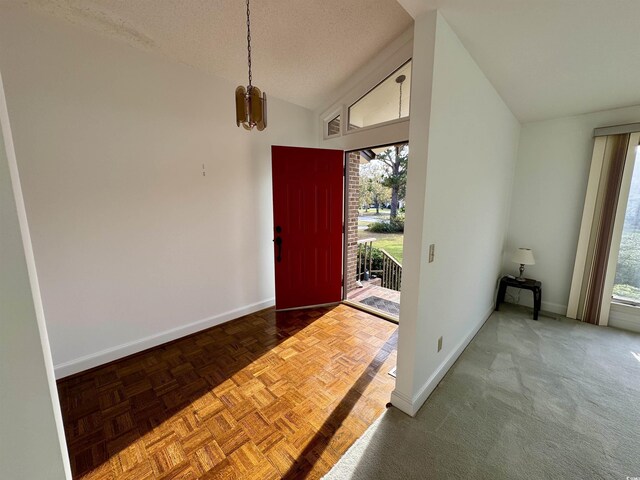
[[391, 272], [365, 259]]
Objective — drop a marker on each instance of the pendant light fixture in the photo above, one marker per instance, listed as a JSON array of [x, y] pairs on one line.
[[400, 80], [251, 103]]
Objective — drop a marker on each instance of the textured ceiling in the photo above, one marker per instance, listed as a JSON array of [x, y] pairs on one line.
[[551, 58], [546, 58], [303, 50]]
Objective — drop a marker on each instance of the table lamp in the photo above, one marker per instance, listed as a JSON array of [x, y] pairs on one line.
[[523, 256]]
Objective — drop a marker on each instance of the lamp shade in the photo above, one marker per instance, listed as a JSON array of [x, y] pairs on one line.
[[523, 256]]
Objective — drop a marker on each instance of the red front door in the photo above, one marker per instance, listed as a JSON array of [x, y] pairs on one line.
[[307, 216]]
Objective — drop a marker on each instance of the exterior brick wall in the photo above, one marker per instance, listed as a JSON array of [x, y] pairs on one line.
[[353, 172], [333, 126]]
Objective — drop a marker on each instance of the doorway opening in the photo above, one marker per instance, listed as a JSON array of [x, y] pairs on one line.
[[374, 211]]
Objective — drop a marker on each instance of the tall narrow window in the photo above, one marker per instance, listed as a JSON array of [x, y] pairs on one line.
[[601, 229], [626, 287], [389, 100]]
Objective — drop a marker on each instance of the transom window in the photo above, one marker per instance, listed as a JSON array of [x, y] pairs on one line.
[[333, 126], [389, 100]]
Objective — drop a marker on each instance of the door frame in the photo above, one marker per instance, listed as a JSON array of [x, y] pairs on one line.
[[345, 245]]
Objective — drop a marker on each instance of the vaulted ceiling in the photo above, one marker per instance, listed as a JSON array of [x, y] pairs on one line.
[[546, 58], [302, 50], [550, 58]]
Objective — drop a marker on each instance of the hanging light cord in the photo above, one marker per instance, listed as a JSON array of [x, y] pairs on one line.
[[400, 103], [249, 44]]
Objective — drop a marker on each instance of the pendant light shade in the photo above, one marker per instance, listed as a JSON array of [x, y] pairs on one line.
[[251, 108], [251, 103]]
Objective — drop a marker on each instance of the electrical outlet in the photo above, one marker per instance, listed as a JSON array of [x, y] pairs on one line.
[[440, 344], [432, 252]]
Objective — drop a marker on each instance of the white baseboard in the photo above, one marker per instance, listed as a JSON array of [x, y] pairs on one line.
[[411, 406], [403, 403], [527, 301], [626, 317], [632, 326], [110, 354], [554, 308]]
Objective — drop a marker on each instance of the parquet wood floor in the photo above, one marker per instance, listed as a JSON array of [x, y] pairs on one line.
[[270, 395]]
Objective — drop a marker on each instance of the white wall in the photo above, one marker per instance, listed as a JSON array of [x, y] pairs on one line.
[[550, 184], [464, 144], [32, 442], [134, 246]]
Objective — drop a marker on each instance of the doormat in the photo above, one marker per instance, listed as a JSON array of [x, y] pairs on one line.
[[386, 306]]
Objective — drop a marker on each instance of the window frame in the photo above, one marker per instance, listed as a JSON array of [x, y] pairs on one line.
[[328, 119], [618, 229], [358, 84], [349, 106], [623, 197]]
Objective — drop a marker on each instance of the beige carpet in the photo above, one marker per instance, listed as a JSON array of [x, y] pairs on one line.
[[553, 399]]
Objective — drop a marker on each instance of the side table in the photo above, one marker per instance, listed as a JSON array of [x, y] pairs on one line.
[[528, 284]]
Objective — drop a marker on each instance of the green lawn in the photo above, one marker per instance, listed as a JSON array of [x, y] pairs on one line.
[[390, 242]]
